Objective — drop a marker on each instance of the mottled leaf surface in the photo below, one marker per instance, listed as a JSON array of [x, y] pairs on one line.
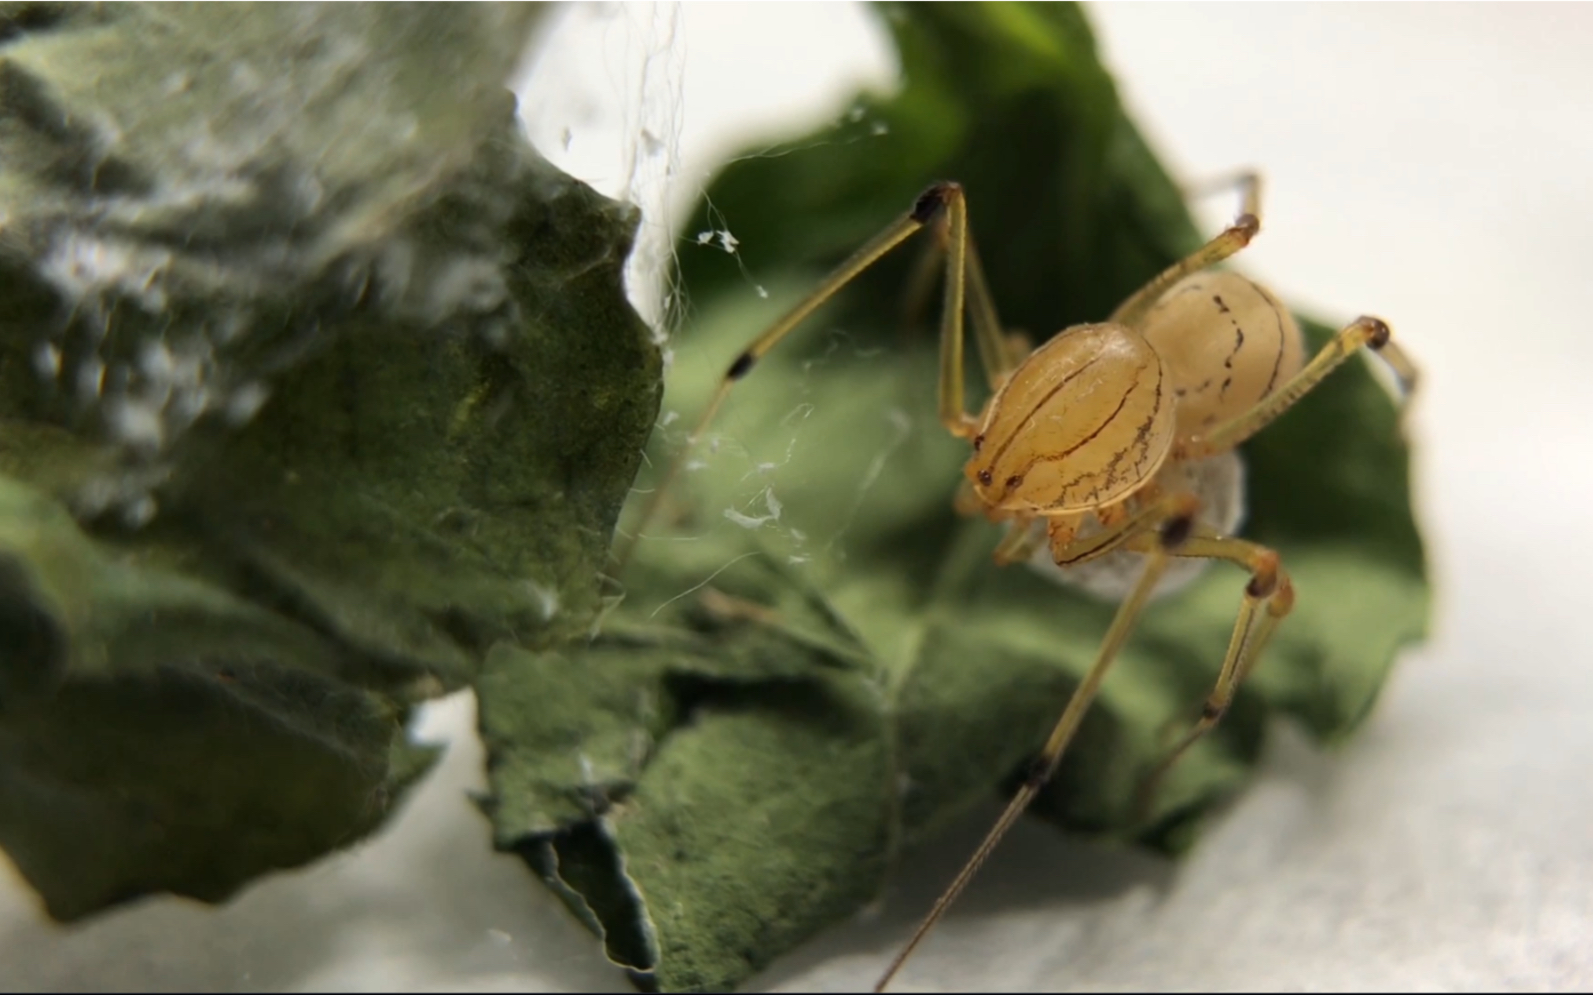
[[315, 383]]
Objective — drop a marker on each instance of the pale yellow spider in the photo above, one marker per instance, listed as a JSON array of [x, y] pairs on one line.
[[1101, 441]]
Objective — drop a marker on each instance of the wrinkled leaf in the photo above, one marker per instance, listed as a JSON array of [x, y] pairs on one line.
[[161, 734], [897, 676], [315, 382]]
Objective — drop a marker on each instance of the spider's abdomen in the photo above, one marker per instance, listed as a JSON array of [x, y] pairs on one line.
[[1228, 342], [1086, 420]]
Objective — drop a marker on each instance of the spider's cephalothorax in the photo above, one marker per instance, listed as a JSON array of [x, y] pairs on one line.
[[1082, 423]]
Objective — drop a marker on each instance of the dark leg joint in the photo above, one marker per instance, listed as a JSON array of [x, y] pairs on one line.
[[1378, 332], [1040, 771], [1264, 575], [1211, 711], [1176, 531], [739, 368], [932, 201], [1262, 585]]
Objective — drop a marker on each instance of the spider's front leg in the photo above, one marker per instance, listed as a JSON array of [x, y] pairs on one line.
[[943, 206]]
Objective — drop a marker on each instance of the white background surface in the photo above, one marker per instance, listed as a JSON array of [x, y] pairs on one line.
[[1431, 164]]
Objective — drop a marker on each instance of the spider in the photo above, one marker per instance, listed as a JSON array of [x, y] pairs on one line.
[[1099, 445]]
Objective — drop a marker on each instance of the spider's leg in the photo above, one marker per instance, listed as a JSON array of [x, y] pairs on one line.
[[929, 205], [966, 288], [920, 288], [999, 351], [1165, 524], [1369, 332], [1235, 237], [942, 204], [1268, 597]]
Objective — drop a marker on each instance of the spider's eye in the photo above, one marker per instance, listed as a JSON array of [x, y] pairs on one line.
[[979, 443], [1013, 482], [984, 477]]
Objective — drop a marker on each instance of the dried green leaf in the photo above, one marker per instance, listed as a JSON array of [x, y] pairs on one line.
[[315, 382]]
